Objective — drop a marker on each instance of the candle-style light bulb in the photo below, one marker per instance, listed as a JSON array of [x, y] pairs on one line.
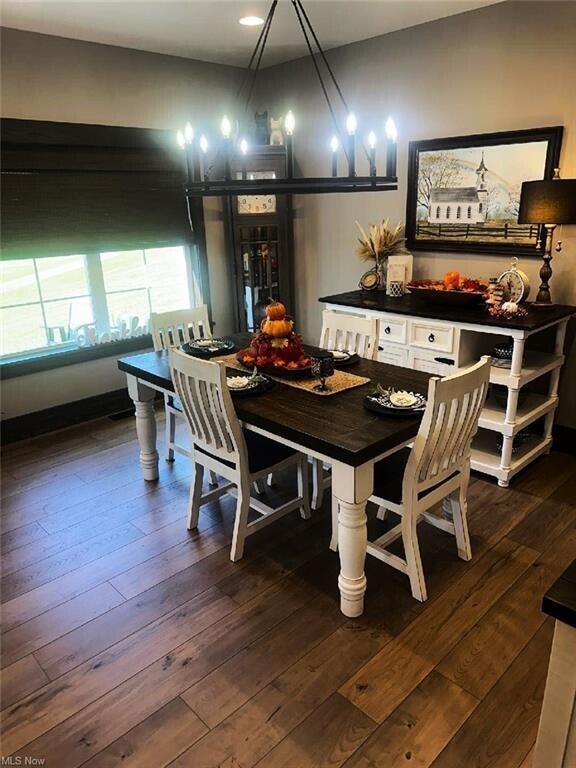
[[391, 148], [188, 133], [334, 144], [390, 128], [372, 152], [203, 143], [244, 150], [351, 125], [289, 123], [226, 127], [180, 139]]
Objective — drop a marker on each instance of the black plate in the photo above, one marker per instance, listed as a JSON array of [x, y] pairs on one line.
[[225, 349], [352, 359], [373, 405], [259, 389]]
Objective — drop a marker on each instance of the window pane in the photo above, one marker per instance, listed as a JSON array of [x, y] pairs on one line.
[[124, 270], [61, 277], [64, 317], [126, 305], [167, 278], [22, 329], [18, 283]]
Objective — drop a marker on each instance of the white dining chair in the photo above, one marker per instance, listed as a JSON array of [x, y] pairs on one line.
[[436, 467], [170, 330], [349, 333], [221, 445]]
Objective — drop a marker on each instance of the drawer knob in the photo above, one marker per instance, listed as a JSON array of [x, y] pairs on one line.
[[431, 338], [387, 329]]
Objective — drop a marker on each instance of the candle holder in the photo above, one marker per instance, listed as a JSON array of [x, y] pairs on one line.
[[322, 368]]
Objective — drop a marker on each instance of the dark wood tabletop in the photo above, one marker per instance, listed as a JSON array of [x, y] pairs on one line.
[[337, 426], [475, 314], [560, 600]]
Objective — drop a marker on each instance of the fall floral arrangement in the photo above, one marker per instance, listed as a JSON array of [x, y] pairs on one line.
[[380, 242], [276, 345]]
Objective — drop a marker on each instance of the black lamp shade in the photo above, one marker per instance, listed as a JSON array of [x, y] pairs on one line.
[[548, 202]]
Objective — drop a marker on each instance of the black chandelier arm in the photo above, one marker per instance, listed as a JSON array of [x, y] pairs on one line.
[[320, 78], [302, 186], [265, 31], [256, 49], [324, 59]]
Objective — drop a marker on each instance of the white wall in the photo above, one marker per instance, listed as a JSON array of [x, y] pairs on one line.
[[428, 78], [52, 78]]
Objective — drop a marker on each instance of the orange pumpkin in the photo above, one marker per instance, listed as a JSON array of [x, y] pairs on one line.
[[278, 329], [276, 311]]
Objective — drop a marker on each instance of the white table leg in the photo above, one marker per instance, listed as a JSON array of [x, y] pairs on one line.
[[143, 398], [352, 487]]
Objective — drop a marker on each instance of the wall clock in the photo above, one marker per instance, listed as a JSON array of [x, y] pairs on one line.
[[256, 204], [515, 283]]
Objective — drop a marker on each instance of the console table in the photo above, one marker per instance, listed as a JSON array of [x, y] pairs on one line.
[[439, 339]]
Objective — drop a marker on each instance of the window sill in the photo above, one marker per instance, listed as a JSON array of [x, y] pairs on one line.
[[73, 356]]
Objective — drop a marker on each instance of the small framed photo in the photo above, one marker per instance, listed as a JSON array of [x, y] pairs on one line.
[[464, 192]]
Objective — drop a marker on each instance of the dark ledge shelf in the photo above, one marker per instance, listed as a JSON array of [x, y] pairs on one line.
[[560, 600]]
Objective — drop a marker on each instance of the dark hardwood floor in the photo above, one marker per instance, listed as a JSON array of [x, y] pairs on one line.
[[129, 640]]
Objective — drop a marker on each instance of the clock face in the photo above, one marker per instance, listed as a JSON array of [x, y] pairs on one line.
[[256, 204], [515, 284]]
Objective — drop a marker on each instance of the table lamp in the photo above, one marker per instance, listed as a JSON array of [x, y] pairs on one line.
[[548, 203]]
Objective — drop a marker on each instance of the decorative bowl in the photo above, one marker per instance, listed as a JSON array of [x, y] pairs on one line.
[[448, 298]]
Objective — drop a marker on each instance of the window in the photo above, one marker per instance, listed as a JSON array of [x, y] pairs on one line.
[[469, 214], [479, 207], [438, 212], [459, 212], [60, 303], [448, 212]]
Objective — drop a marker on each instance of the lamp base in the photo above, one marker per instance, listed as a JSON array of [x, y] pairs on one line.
[[540, 305]]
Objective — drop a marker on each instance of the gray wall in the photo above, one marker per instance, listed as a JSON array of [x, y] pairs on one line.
[[504, 67], [501, 68], [53, 78]]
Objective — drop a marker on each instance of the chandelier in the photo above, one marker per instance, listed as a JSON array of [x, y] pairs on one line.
[[203, 181]]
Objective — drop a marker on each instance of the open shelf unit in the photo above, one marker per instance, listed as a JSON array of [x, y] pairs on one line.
[[487, 458], [535, 364], [534, 406]]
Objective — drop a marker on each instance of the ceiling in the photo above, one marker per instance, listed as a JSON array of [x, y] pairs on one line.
[[208, 29]]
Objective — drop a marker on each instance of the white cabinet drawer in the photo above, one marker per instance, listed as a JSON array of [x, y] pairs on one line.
[[430, 362], [393, 355], [393, 329], [427, 335]]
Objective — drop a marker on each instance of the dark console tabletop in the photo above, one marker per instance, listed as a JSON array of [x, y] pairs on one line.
[[475, 315], [560, 600]]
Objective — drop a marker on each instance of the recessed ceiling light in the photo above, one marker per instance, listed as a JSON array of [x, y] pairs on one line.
[[251, 21]]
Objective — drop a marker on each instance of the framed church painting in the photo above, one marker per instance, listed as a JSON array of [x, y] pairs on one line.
[[464, 192]]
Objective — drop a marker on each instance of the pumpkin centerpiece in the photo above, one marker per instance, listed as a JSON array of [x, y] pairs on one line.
[[276, 324], [276, 346]]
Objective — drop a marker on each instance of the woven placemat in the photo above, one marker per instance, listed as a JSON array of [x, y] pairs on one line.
[[339, 382]]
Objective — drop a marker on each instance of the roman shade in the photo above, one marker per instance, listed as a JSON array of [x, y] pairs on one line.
[[89, 188]]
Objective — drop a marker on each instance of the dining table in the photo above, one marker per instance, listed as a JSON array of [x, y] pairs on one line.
[[337, 429]]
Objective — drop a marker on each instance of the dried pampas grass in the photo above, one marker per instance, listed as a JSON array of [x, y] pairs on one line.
[[381, 241]]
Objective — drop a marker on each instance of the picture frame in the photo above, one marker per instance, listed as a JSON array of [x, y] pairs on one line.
[[464, 191]]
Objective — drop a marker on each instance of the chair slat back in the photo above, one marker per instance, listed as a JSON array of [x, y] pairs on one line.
[[450, 421], [172, 329], [350, 333], [203, 392]]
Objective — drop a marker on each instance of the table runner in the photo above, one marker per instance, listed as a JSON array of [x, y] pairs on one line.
[[339, 382]]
